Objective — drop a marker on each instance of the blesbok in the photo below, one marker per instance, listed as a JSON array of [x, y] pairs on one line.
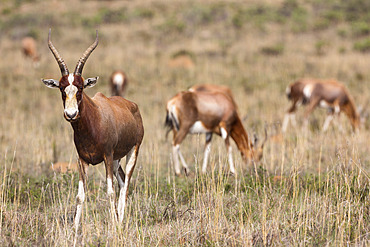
[[329, 94], [105, 129], [118, 83], [29, 49], [206, 112]]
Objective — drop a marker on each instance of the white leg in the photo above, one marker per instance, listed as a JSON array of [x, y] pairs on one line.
[[82, 169], [110, 190], [130, 165], [176, 162], [80, 200], [285, 122], [176, 153], [231, 162], [207, 150], [225, 136], [183, 162], [328, 119]]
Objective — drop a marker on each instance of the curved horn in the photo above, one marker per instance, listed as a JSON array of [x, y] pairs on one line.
[[85, 56], [61, 63]]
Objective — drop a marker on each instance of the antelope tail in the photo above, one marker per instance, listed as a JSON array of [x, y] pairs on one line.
[[171, 123]]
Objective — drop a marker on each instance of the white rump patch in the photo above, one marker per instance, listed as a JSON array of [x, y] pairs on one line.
[[307, 90], [198, 128], [288, 90], [118, 80]]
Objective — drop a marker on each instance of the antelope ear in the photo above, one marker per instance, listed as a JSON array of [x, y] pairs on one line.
[[90, 82], [51, 83]]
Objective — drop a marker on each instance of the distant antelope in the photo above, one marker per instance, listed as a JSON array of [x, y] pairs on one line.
[[208, 112], [105, 129], [29, 48], [118, 83], [329, 94], [64, 167]]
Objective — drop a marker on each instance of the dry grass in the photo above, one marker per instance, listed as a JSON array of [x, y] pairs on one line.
[[310, 189]]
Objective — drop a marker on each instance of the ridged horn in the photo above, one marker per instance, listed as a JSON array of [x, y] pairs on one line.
[[82, 61], [61, 63]]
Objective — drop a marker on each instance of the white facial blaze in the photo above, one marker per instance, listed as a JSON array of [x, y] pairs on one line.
[[71, 106]]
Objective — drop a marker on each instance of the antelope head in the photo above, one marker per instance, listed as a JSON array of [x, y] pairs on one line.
[[71, 85], [258, 150]]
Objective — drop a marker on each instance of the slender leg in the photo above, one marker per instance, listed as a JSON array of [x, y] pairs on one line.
[[328, 120], [285, 122], [176, 161], [290, 115], [178, 138], [225, 136], [183, 162], [82, 168], [313, 103], [207, 150], [108, 160], [131, 159], [118, 173], [176, 154]]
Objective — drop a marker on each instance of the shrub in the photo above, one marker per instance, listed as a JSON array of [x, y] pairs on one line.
[[362, 46], [360, 29], [274, 50]]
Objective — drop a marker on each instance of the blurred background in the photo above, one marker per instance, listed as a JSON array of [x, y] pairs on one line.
[[256, 47]]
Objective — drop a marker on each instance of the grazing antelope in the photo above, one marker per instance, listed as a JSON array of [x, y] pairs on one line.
[[118, 83], [105, 129], [207, 112], [329, 94], [30, 50]]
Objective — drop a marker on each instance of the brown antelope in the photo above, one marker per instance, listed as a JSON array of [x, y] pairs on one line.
[[118, 83], [30, 50], [208, 112], [329, 94], [105, 129]]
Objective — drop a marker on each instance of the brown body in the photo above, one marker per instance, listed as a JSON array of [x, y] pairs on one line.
[[329, 94], [207, 112], [213, 88], [118, 83], [105, 129], [29, 49]]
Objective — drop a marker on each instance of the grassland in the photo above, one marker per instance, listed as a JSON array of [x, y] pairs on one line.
[[310, 189]]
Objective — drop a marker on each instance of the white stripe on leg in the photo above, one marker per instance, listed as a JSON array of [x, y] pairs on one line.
[[231, 162], [80, 200], [206, 155]]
